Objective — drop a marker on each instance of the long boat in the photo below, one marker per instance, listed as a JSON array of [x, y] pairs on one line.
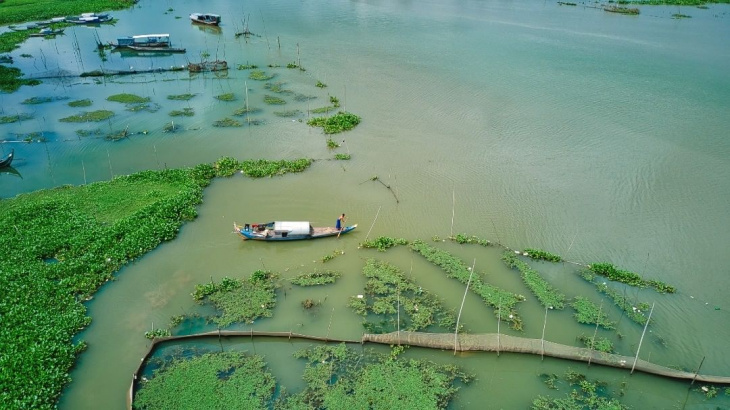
[[287, 231], [5, 162], [89, 18], [148, 42]]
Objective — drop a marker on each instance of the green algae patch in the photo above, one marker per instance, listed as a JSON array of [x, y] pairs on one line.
[[126, 98], [80, 103], [240, 301], [225, 380], [90, 116]]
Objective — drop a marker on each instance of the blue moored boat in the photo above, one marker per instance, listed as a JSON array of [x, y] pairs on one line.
[[287, 231]]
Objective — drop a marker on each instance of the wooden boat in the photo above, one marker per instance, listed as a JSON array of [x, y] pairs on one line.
[[89, 18], [287, 231], [147, 42], [47, 32], [206, 18], [5, 162]]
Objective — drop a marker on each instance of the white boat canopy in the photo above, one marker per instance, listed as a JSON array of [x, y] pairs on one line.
[[295, 228]]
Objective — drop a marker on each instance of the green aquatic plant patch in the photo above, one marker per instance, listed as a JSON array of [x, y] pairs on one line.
[[126, 98], [240, 300], [288, 113], [20, 11], [461, 238], [588, 312], [341, 378], [225, 380], [634, 310], [180, 97], [382, 243], [42, 100], [547, 295], [11, 78], [185, 112], [271, 100], [89, 133], [539, 254], [600, 343], [389, 296], [90, 116], [583, 394], [342, 157], [264, 168], [340, 122], [611, 272], [277, 87], [246, 110], [227, 122], [225, 97], [260, 75], [80, 103], [9, 119], [91, 231], [316, 278], [503, 301], [323, 110]]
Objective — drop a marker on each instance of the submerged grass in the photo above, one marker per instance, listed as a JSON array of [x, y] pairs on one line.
[[95, 116], [185, 112], [127, 98], [9, 119], [180, 97], [225, 97], [545, 293], [80, 103], [227, 122]]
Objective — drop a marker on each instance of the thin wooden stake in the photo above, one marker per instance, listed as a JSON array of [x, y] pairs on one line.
[[453, 209], [83, 167], [544, 325], [371, 226], [399, 314], [698, 371], [110, 164], [499, 319], [458, 318], [595, 331], [642, 338]]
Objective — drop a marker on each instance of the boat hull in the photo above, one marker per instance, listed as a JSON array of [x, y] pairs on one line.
[[5, 162], [250, 231]]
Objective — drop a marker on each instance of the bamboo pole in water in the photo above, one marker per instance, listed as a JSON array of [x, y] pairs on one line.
[[458, 318], [595, 331], [642, 338], [544, 324], [499, 319], [371, 226], [453, 209]]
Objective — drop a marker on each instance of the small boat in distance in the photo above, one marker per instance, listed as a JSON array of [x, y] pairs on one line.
[[287, 231], [89, 18], [206, 18], [47, 32], [5, 162], [148, 42]]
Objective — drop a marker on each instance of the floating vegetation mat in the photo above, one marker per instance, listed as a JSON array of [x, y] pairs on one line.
[[170, 127], [303, 97], [588, 312], [258, 168], [31, 136], [611, 272], [225, 97], [390, 297], [288, 114], [91, 116], [583, 393], [42, 100], [145, 106], [316, 278], [240, 301], [597, 343], [80, 103], [382, 243], [546, 294], [342, 121], [226, 380], [463, 238], [227, 122], [277, 87], [247, 66], [635, 310], [246, 110], [180, 97], [255, 121], [260, 75], [271, 100], [89, 133], [342, 157], [128, 98], [341, 378], [323, 110], [185, 112], [8, 119], [503, 301]]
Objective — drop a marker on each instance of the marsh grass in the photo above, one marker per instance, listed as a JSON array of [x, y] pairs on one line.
[[260, 75], [271, 100], [91, 116], [180, 97], [316, 278]]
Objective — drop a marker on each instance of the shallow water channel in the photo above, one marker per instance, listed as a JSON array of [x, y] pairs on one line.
[[595, 136]]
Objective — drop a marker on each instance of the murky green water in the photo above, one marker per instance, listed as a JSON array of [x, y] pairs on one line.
[[599, 137]]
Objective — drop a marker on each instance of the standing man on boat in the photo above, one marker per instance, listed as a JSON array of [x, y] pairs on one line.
[[340, 222]]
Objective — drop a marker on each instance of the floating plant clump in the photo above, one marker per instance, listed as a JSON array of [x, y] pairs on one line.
[[588, 312], [43, 100], [227, 122], [271, 100], [260, 75], [11, 77], [246, 110], [303, 97], [145, 106], [320, 84], [288, 114], [342, 121], [342, 157], [609, 271], [316, 278], [247, 66], [126, 98], [545, 293], [583, 394], [8, 119], [240, 301], [392, 297], [225, 97], [502, 301], [227, 379], [601, 344], [330, 256], [91, 116], [277, 87], [635, 310], [539, 254], [89, 133], [339, 377], [180, 97], [463, 238], [382, 243], [80, 103], [322, 110], [185, 112]]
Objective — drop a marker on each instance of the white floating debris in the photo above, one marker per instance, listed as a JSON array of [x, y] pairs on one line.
[[705, 389], [517, 252], [359, 296], [510, 316], [525, 254], [468, 268]]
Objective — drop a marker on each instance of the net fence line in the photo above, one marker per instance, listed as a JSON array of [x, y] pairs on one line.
[[487, 342]]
